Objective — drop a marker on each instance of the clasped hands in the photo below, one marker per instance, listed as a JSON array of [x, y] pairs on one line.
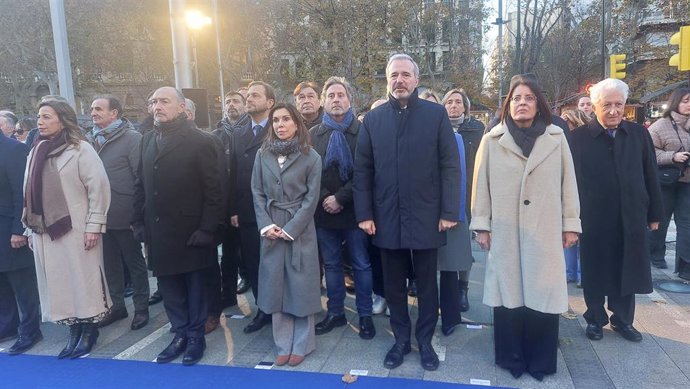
[[276, 232]]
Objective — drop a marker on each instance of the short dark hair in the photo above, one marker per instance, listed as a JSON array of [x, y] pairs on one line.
[[302, 130], [307, 84], [113, 103], [268, 89], [531, 82], [234, 93], [674, 101]]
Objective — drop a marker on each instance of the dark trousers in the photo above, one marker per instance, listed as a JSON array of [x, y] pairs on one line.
[[676, 201], [251, 246], [222, 279], [449, 299], [623, 308], [396, 265], [185, 301], [376, 269], [20, 305], [119, 246], [526, 340]]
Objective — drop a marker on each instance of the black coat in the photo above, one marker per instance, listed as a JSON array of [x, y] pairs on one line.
[[244, 148], [407, 174], [177, 193], [471, 131], [12, 163], [331, 184], [619, 197]]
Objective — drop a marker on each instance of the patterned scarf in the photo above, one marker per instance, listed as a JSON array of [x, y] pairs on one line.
[[338, 151], [284, 147], [103, 134]]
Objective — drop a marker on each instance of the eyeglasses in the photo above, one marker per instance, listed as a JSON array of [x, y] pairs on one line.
[[19, 132], [527, 98]]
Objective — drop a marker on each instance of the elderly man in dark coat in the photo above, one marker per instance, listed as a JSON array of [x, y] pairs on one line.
[[620, 199], [17, 271], [178, 202], [406, 189]]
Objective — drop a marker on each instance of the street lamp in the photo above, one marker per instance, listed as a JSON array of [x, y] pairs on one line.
[[196, 20]]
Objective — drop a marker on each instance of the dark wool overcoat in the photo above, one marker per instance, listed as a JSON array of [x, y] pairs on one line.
[[244, 148], [619, 197], [12, 165]]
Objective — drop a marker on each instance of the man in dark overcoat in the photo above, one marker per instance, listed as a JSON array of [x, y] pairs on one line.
[[19, 298], [406, 189], [178, 201], [620, 200]]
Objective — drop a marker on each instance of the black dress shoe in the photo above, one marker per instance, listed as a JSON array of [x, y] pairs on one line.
[[195, 351], [89, 335], [243, 286], [74, 336], [464, 302], [174, 350], [155, 298], [366, 327], [448, 330], [627, 331], [25, 343], [259, 321], [140, 320], [659, 263], [684, 275], [396, 355], [330, 322], [594, 331], [428, 357], [112, 317]]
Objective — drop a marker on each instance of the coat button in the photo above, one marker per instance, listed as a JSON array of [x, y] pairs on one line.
[[246, 155], [155, 193], [157, 219], [278, 182], [526, 202], [155, 167]]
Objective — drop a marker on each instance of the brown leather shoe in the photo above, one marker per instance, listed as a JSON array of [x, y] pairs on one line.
[[212, 323], [295, 360], [282, 359]]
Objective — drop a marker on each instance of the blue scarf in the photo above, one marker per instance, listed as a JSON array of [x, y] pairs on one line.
[[338, 152], [102, 134]]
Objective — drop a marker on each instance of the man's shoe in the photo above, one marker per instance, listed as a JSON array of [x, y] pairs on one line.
[[75, 331], [212, 323], [112, 317], [140, 320], [243, 286], [396, 355], [447, 331], [684, 275], [259, 321], [428, 357], [464, 302], [594, 331], [195, 351], [659, 263], [628, 332], [89, 335], [25, 343], [329, 323], [155, 298], [174, 350], [378, 304], [366, 327]]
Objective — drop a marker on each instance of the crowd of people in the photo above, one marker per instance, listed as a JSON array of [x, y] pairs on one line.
[[294, 194]]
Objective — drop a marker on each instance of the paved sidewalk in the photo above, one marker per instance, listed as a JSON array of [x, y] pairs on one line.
[[661, 360]]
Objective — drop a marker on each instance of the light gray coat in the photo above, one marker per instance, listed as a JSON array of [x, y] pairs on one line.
[[288, 197]]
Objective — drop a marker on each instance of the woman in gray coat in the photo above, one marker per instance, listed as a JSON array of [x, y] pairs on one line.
[[285, 184]]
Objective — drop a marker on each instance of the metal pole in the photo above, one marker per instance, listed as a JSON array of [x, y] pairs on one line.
[[603, 39], [216, 22], [64, 65], [182, 62], [499, 23]]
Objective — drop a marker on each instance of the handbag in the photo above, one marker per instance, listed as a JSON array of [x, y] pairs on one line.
[[669, 174]]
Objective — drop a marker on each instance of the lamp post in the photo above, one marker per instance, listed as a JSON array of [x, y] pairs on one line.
[[196, 21]]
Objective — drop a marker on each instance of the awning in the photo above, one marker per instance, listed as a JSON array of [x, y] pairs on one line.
[[652, 95]]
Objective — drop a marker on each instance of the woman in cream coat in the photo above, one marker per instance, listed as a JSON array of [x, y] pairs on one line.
[[67, 196], [525, 211]]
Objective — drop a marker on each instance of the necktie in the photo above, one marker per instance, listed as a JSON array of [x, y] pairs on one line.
[[612, 132], [256, 129]]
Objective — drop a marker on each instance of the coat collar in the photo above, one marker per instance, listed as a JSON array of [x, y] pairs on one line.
[[543, 147], [272, 162], [249, 140], [594, 128], [411, 102], [174, 139]]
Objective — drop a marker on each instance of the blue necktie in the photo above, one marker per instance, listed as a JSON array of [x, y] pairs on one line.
[[612, 132], [256, 129]]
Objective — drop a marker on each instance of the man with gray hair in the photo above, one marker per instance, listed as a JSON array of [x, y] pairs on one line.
[[620, 200], [406, 188], [7, 122]]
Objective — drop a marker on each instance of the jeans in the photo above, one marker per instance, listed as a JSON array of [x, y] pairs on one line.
[[330, 242], [572, 263]]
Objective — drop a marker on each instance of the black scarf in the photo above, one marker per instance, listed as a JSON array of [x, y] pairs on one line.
[[284, 147], [526, 137]]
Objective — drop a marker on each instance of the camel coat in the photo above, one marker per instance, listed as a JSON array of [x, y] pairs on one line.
[[526, 204], [71, 281]]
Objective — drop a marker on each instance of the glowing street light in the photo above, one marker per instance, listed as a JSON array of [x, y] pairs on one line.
[[196, 20]]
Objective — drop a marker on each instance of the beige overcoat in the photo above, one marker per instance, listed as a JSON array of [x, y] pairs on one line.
[[526, 204], [71, 281]]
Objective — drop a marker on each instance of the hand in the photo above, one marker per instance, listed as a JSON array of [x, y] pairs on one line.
[[681, 157], [484, 239], [90, 240], [653, 226], [331, 205], [273, 233], [569, 239], [200, 238], [139, 232], [368, 226], [18, 241], [234, 221], [445, 225], [284, 236]]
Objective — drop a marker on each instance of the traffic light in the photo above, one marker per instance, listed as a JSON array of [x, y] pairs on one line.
[[617, 66], [682, 40]]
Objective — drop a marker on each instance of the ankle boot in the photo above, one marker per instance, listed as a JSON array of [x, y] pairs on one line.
[[464, 301], [74, 335], [87, 341]]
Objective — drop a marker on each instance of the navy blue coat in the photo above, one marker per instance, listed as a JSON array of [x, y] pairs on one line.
[[12, 163], [407, 174], [244, 148]]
